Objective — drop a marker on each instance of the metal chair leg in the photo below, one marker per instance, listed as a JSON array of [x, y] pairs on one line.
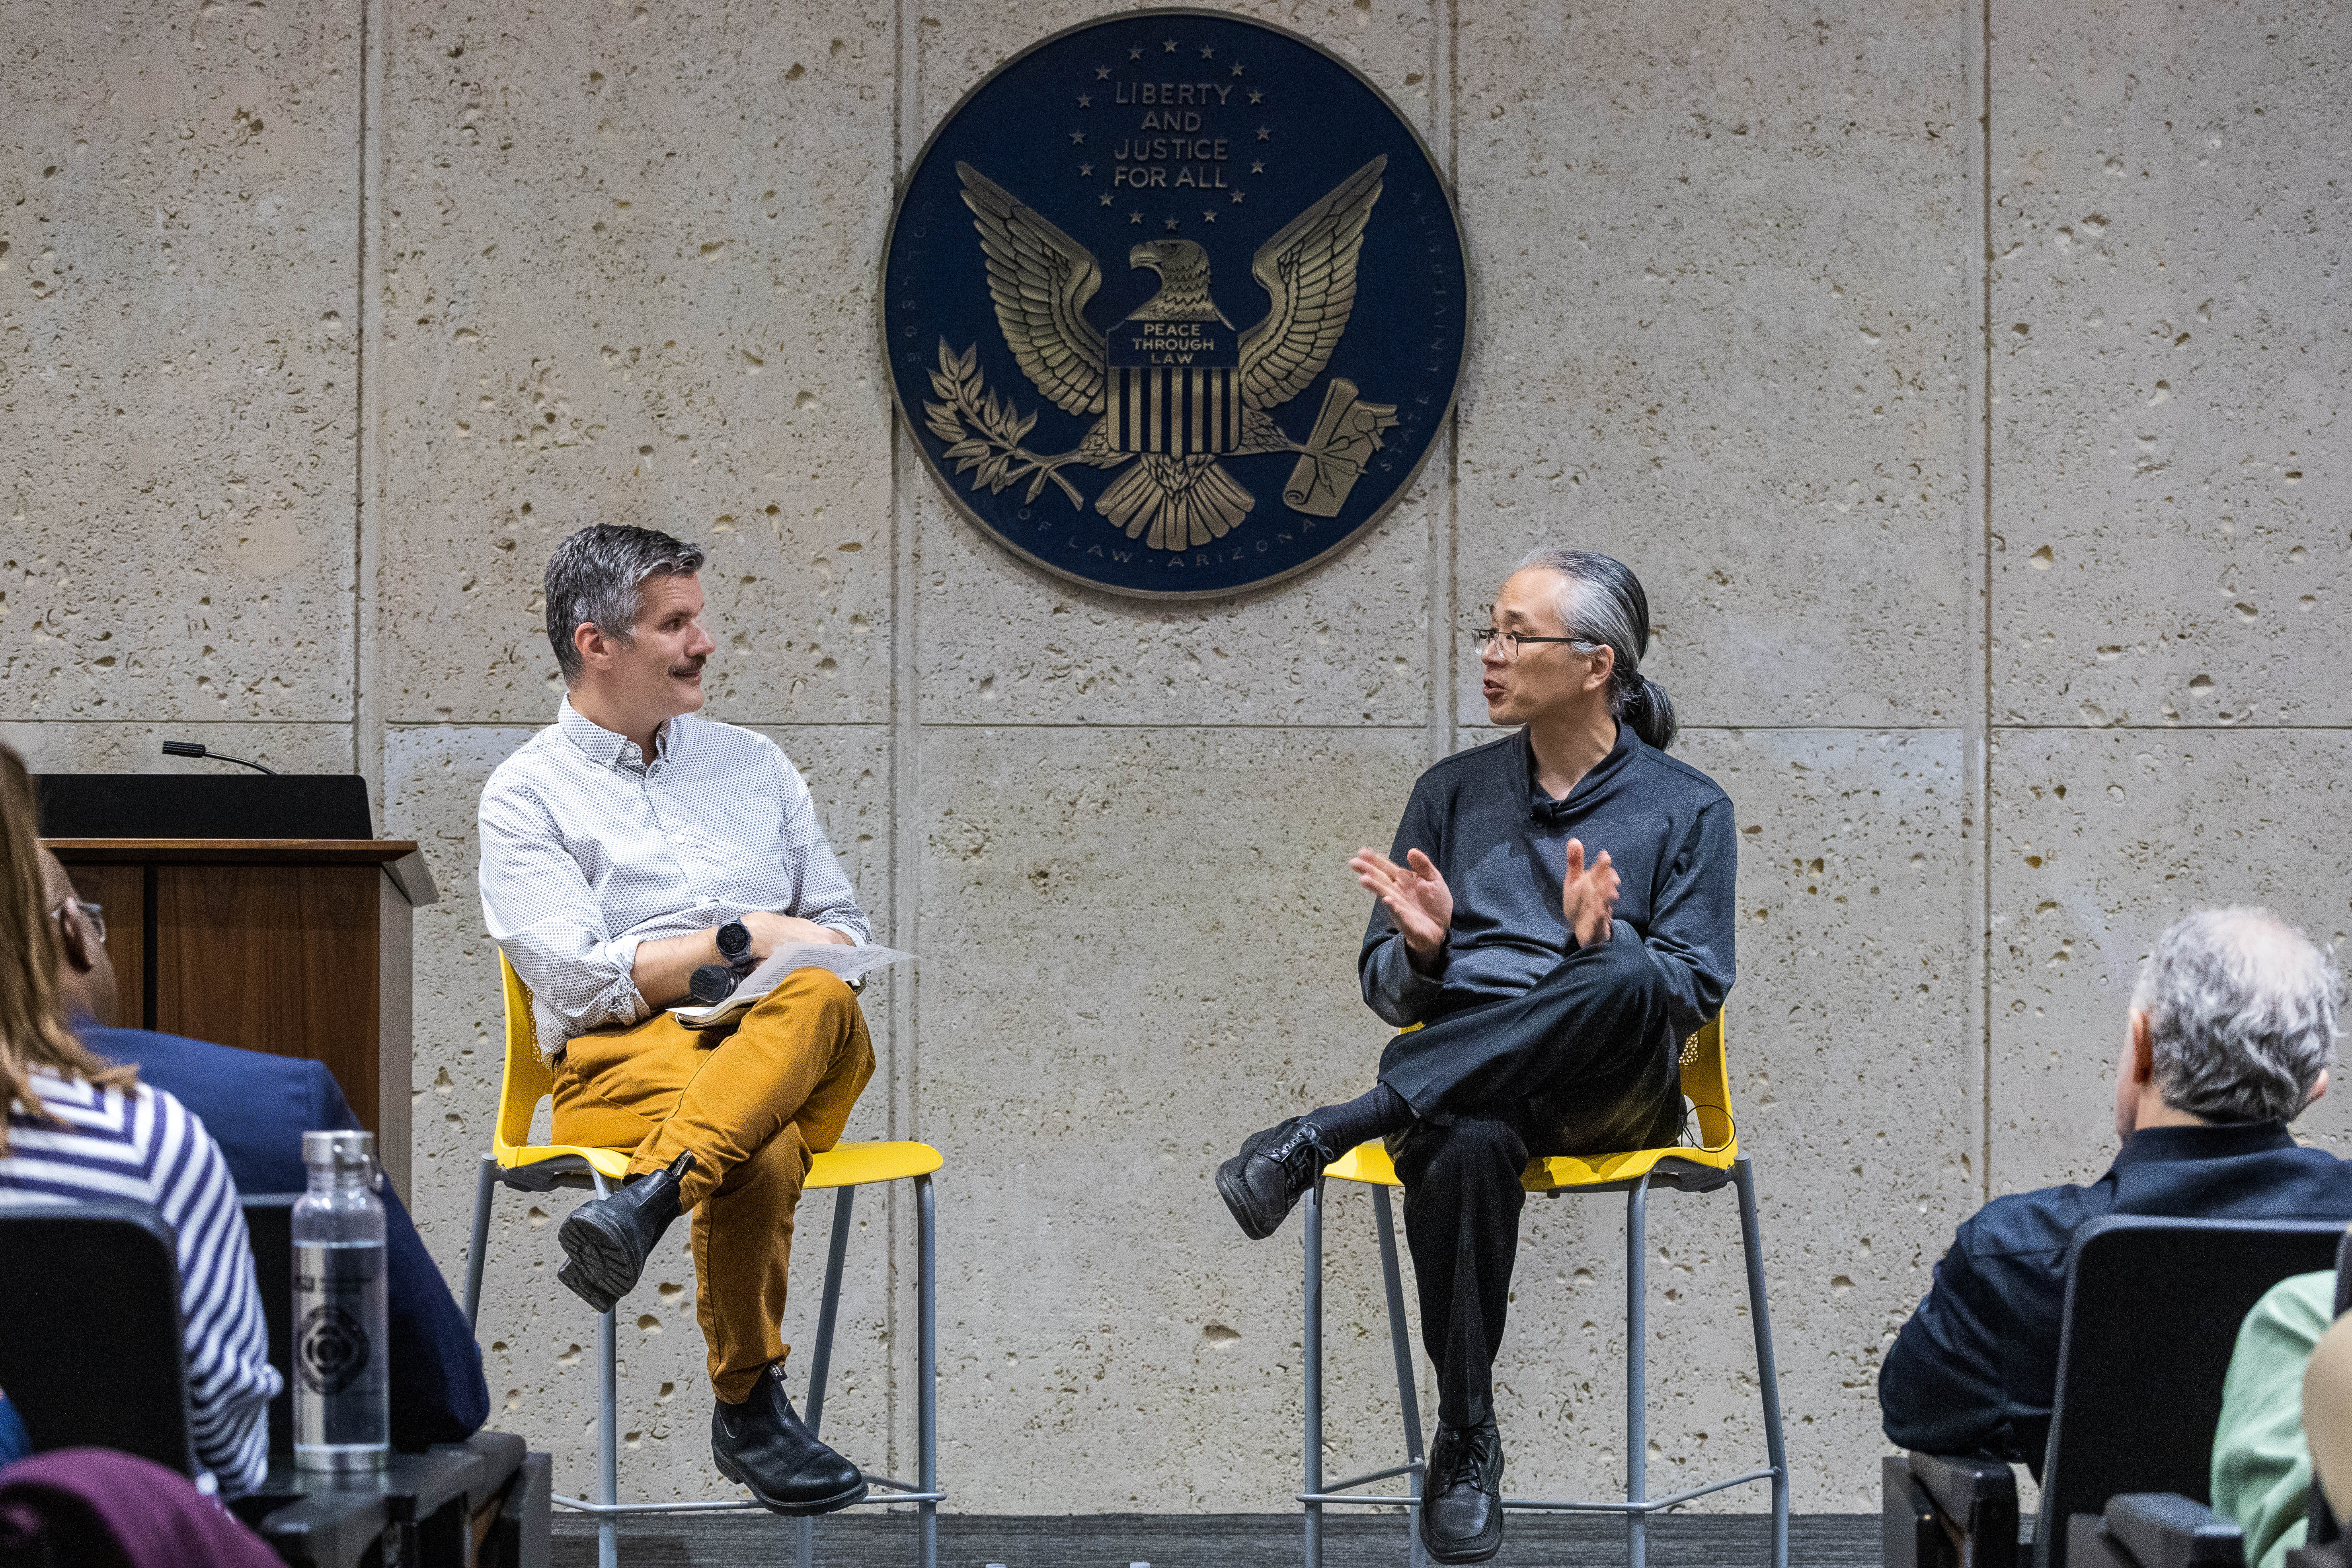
[[1313, 1348], [829, 1309], [608, 1423], [927, 1373], [828, 1313], [1767, 1374], [1637, 1524], [1401, 1347], [608, 1457], [484, 1185]]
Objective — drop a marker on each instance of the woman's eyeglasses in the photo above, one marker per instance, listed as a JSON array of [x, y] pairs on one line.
[[94, 913]]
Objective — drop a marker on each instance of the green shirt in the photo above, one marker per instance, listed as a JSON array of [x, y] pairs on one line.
[[2261, 1465]]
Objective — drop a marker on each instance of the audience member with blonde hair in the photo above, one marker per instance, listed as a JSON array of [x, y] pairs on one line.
[[80, 1128]]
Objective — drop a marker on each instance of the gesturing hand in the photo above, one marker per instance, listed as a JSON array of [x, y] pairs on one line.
[[1414, 895], [1589, 897]]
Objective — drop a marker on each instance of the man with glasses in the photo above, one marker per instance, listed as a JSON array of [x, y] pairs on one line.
[[1554, 918], [256, 1107]]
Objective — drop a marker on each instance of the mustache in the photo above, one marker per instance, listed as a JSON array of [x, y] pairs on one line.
[[691, 667]]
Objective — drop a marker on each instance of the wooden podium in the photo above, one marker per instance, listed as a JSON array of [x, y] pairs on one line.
[[300, 947]]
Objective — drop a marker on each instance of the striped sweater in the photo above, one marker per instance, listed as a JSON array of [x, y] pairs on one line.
[[141, 1144]]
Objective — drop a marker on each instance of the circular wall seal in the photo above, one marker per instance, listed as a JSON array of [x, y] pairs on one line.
[[1174, 304]]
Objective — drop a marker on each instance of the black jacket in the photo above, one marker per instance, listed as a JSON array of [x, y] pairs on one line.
[[1502, 845], [1974, 1370]]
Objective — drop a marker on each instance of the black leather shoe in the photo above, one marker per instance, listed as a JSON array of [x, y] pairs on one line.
[[606, 1241], [1462, 1505], [764, 1445], [1263, 1182]]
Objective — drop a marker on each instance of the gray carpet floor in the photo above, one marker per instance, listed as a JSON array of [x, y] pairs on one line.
[[1211, 1541]]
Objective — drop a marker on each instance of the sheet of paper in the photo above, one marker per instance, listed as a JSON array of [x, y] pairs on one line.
[[849, 962]]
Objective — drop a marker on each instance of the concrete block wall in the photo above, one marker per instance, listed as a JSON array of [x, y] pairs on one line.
[[1963, 382]]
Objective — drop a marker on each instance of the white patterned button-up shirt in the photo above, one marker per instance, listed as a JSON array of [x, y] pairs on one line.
[[587, 851]]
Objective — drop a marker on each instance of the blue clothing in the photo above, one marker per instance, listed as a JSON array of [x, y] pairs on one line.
[[1974, 1371], [15, 1441], [1501, 844], [256, 1107]]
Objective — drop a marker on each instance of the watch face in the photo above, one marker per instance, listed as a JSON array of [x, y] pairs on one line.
[[734, 939]]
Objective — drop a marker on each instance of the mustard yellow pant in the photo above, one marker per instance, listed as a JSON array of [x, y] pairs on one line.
[[754, 1107]]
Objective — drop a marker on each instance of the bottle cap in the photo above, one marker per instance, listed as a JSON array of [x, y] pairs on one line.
[[340, 1151]]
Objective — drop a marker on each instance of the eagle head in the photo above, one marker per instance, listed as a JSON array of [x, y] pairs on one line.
[[1183, 268]]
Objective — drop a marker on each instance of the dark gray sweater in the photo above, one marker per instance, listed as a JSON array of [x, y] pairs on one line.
[[1502, 845]]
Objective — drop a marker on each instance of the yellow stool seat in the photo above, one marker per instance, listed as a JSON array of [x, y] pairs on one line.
[[515, 1162], [529, 1079], [854, 1164], [1706, 1083], [849, 1163], [609, 1163], [1369, 1163]]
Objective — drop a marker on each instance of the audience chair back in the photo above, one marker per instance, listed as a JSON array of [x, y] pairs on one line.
[[2151, 1316], [2321, 1527], [270, 1226], [91, 1347], [2344, 1275]]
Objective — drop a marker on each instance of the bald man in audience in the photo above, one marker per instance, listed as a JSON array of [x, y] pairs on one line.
[[2226, 1041]]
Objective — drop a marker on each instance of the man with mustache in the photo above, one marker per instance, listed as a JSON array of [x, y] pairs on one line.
[[623, 846]]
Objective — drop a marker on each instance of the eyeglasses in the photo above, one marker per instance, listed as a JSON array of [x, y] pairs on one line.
[[94, 913], [1510, 644]]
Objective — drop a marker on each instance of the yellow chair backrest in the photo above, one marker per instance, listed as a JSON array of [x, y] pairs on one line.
[[1707, 1084], [528, 1080]]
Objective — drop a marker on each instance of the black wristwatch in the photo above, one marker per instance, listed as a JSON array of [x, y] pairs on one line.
[[734, 940]]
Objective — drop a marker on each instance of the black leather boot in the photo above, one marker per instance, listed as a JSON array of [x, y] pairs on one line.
[[1462, 1505], [1263, 1182], [762, 1443], [606, 1241]]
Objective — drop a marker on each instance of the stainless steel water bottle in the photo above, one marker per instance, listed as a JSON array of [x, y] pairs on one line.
[[342, 1383]]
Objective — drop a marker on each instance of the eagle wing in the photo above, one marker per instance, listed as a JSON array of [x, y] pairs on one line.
[[1310, 272], [1041, 280]]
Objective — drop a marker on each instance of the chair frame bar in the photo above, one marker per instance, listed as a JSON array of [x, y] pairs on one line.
[[1637, 1507], [607, 1509]]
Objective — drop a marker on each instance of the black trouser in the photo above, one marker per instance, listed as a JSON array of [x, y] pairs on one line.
[[1583, 1063]]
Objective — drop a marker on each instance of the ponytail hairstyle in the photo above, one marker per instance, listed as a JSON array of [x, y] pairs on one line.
[[1601, 601], [33, 1032]]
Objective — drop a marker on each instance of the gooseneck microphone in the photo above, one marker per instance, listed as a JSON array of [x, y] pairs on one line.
[[191, 749]]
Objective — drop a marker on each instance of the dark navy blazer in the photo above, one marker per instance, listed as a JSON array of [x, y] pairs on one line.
[[1974, 1371], [256, 1107]]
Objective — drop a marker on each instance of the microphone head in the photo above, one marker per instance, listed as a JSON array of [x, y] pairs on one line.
[[182, 749]]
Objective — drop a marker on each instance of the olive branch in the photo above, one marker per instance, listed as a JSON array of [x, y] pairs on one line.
[[996, 450]]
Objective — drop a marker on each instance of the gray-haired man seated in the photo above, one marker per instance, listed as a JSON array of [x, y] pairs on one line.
[[2227, 1041]]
